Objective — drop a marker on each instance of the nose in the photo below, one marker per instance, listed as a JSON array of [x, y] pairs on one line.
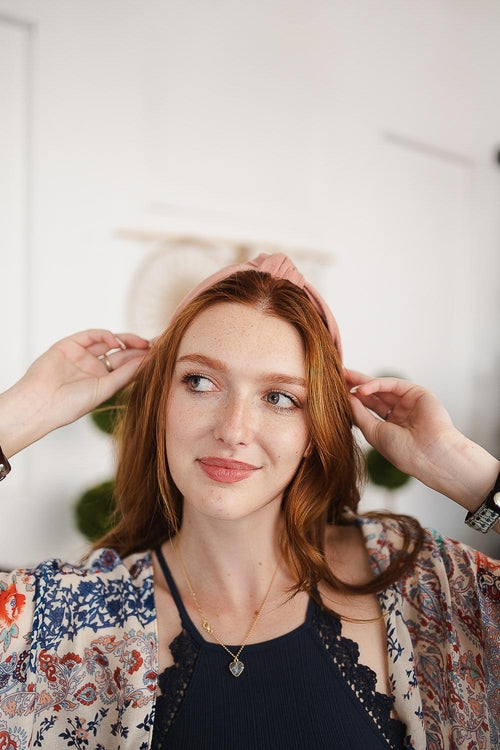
[[234, 422]]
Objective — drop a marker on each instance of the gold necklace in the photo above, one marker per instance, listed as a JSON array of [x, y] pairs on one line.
[[236, 666]]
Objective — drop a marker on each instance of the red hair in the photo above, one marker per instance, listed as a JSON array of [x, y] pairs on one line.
[[149, 505]]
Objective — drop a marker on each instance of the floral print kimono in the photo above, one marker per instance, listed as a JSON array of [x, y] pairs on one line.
[[78, 648]]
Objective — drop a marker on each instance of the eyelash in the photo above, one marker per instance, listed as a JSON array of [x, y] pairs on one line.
[[189, 376], [283, 409], [186, 379]]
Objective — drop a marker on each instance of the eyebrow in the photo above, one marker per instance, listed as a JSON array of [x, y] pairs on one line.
[[217, 364]]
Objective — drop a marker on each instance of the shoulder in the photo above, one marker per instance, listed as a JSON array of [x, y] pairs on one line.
[[445, 566], [392, 538], [57, 597], [103, 568], [386, 537], [101, 562], [367, 545], [346, 553], [104, 590]]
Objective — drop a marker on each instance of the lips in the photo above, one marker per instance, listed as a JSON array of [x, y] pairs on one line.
[[225, 470]]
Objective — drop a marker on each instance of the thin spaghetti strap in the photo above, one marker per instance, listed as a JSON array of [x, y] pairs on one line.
[[185, 619], [312, 606]]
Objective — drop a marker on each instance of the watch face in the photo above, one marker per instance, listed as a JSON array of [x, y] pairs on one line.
[[4, 465], [486, 515]]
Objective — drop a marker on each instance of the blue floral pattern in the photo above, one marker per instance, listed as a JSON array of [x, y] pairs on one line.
[[78, 648], [81, 671]]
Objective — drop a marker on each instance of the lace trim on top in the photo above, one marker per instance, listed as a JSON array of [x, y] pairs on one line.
[[174, 680], [173, 683], [360, 678]]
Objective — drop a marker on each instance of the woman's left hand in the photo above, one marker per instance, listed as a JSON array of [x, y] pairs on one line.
[[401, 420], [411, 428]]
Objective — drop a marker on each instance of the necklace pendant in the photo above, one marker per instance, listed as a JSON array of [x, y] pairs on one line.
[[236, 667]]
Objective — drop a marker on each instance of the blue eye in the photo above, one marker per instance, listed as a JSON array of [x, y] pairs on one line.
[[281, 400], [198, 383]]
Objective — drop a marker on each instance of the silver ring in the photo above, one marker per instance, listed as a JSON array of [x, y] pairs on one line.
[[105, 359]]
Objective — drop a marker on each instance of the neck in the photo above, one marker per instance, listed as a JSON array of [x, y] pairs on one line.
[[230, 557]]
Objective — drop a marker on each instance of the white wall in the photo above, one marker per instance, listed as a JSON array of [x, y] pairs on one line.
[[366, 130]]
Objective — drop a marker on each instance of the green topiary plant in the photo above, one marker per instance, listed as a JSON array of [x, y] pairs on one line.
[[94, 510], [380, 470], [95, 507], [104, 416], [382, 473]]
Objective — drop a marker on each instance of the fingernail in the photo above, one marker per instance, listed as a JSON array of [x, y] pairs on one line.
[[355, 388], [122, 344]]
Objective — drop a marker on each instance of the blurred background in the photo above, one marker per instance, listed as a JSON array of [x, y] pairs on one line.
[[145, 143]]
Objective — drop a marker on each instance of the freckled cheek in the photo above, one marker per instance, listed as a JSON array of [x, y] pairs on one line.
[[292, 445], [185, 421], [180, 437]]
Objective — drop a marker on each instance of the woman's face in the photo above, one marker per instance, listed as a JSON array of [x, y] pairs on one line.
[[236, 423]]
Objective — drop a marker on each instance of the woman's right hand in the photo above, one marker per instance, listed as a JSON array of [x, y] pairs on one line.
[[66, 382]]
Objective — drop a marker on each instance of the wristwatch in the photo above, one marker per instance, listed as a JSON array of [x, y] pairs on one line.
[[4, 465], [488, 512]]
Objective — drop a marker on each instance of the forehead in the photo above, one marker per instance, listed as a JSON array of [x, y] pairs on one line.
[[242, 331]]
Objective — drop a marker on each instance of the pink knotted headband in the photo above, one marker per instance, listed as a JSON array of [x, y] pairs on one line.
[[281, 267]]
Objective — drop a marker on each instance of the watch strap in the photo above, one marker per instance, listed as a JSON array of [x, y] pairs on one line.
[[488, 512], [4, 465]]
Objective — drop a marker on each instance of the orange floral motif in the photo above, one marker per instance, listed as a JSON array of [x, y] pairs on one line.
[[6, 741], [134, 661], [70, 660], [11, 604], [47, 665], [9, 707]]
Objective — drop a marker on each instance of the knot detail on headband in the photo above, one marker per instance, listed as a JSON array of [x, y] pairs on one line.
[[280, 266]]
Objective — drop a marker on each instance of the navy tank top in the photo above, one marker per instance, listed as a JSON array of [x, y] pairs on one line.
[[301, 690]]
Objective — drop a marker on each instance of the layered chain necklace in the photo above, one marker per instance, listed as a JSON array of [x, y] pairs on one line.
[[236, 666]]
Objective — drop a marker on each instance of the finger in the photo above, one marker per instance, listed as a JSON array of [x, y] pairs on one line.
[[114, 359], [93, 336], [354, 378], [131, 340], [116, 342], [110, 383], [364, 419], [381, 405], [379, 386]]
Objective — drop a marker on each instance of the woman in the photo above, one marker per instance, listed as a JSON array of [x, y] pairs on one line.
[[237, 484]]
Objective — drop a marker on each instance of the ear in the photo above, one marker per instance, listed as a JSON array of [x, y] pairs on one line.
[[308, 450]]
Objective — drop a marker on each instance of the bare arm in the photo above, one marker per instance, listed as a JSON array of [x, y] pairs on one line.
[[66, 382], [414, 431]]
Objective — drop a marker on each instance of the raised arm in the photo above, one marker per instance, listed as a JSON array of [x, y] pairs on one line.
[[66, 382], [414, 431]]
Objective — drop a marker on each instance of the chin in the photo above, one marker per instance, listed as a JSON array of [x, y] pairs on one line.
[[232, 509]]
